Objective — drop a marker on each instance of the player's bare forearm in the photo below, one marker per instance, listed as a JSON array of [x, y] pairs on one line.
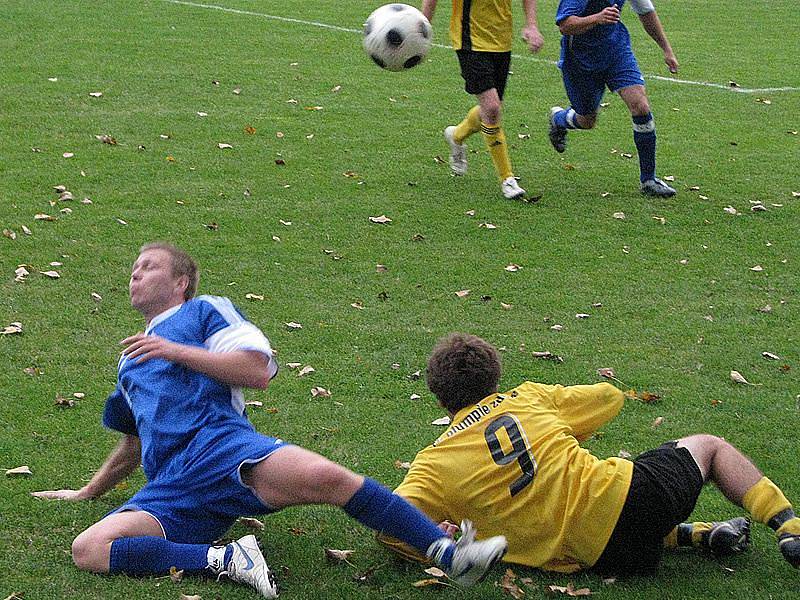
[[428, 9], [123, 460], [241, 368], [652, 25], [531, 33], [575, 25]]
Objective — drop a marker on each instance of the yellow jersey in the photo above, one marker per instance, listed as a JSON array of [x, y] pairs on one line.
[[512, 464], [481, 25]]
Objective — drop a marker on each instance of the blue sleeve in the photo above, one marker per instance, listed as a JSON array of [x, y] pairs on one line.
[[117, 415], [570, 8]]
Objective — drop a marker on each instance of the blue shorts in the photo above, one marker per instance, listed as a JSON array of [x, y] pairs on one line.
[[198, 504], [585, 88]]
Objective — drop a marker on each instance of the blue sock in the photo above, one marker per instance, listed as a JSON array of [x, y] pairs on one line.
[[566, 118], [378, 508], [154, 556], [644, 136]]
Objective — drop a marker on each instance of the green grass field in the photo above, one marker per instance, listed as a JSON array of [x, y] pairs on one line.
[[680, 299]]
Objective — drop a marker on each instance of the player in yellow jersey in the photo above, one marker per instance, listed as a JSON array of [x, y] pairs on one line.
[[512, 463], [481, 33]]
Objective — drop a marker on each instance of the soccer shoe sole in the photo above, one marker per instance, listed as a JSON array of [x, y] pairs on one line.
[[730, 537]]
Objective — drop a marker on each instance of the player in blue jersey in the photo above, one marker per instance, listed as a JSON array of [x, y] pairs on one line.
[[596, 53], [179, 406]]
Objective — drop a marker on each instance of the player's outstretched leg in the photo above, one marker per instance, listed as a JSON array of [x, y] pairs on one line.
[[456, 136], [241, 561], [458, 152], [557, 133], [743, 484], [471, 559], [723, 538]]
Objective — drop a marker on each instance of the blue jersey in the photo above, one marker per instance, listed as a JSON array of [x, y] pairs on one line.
[[182, 416], [601, 45]]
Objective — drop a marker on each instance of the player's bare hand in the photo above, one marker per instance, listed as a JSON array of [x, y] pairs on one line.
[[608, 16], [533, 38], [450, 529], [145, 347], [69, 495], [671, 62]]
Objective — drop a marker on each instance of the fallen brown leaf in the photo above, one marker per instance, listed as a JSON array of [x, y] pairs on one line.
[[175, 575], [251, 523], [19, 471]]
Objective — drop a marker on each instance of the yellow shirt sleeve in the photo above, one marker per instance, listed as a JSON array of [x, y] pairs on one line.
[[586, 408]]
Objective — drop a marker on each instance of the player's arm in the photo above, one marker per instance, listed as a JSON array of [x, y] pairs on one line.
[[586, 408], [123, 460], [242, 368], [576, 25], [428, 9], [531, 32], [652, 25]]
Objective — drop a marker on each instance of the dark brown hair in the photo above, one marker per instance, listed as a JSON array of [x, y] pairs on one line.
[[462, 369], [182, 264]]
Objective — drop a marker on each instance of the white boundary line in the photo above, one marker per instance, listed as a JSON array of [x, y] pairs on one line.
[[249, 13]]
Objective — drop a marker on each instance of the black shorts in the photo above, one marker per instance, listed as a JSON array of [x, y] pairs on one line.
[[484, 70], [664, 489]]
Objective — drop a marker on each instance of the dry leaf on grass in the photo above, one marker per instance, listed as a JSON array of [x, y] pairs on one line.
[[175, 575], [381, 220], [441, 422], [190, 597], [462, 293], [321, 392], [402, 464], [333, 555], [12, 329], [18, 471], [251, 523], [293, 325], [569, 590], [307, 370], [737, 377], [770, 356]]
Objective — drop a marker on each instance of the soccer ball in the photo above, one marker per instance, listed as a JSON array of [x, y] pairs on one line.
[[397, 36]]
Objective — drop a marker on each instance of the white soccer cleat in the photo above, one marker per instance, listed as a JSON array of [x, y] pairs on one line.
[[247, 565], [471, 559], [511, 189], [458, 152]]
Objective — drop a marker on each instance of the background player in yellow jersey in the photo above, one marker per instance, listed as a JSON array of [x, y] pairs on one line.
[[512, 463], [481, 33]]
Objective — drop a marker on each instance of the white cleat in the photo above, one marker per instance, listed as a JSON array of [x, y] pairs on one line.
[[471, 559], [247, 565], [458, 152], [511, 189]]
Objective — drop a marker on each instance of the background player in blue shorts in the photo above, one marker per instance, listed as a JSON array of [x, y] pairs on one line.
[[178, 403], [595, 53]]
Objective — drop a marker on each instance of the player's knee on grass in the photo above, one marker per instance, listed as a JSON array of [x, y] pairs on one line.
[[89, 554]]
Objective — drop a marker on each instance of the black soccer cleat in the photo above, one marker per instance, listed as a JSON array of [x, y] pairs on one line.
[[789, 543], [728, 537], [557, 135]]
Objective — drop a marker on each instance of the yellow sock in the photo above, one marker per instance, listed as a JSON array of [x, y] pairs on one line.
[[471, 124], [495, 140], [671, 541], [791, 526], [687, 534], [765, 500]]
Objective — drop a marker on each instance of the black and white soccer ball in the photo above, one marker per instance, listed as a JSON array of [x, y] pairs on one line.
[[397, 36]]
